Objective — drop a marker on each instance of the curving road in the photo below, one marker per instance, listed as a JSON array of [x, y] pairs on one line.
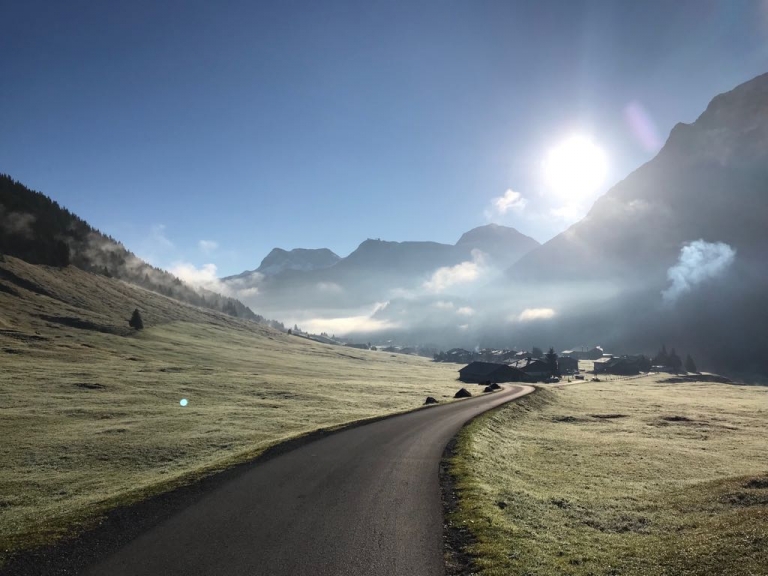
[[365, 501]]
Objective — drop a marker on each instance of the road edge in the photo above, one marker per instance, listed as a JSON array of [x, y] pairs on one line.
[[457, 538]]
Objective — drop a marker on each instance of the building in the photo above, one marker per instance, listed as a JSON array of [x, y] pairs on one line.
[[534, 368], [489, 373], [568, 365], [593, 354], [622, 366]]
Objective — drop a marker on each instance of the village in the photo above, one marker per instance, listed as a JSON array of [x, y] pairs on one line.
[[487, 366]]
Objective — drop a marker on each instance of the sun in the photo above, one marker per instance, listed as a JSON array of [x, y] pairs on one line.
[[575, 168]]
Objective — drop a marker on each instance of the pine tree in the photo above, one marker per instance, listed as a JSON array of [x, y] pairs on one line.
[[690, 365], [136, 322], [551, 359], [662, 358], [674, 361], [536, 352]]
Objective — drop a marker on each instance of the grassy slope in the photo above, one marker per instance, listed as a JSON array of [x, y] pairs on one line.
[[619, 477], [92, 419]]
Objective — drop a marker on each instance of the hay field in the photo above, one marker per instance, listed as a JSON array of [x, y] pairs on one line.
[[90, 416], [629, 476]]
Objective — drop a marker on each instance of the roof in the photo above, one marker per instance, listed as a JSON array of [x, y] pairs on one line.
[[482, 368], [528, 362]]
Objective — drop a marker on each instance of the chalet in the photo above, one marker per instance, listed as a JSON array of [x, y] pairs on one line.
[[535, 368], [622, 366], [593, 354], [489, 373]]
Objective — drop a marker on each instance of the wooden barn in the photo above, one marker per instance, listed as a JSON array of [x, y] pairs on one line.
[[490, 373], [534, 368], [568, 365]]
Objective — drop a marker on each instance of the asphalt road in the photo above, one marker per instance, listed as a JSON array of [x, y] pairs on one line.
[[365, 501]]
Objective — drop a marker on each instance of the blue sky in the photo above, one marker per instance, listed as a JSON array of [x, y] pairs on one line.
[[250, 125]]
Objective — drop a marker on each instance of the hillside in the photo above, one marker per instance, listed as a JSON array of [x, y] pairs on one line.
[[91, 416], [35, 228]]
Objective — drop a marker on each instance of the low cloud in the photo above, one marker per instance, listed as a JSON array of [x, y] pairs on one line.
[[206, 277], [203, 277], [463, 273], [699, 261], [510, 201], [348, 325], [207, 246], [16, 223], [532, 314], [443, 305], [465, 311]]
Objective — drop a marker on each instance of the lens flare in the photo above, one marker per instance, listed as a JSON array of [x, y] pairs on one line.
[[643, 127]]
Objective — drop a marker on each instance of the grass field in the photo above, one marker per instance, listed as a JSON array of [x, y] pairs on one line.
[[617, 477], [90, 413]]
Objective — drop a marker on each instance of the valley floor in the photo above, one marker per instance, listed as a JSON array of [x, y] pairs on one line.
[[90, 412], [625, 476]]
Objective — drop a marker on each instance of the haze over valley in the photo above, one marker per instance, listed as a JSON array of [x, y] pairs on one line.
[[419, 289]]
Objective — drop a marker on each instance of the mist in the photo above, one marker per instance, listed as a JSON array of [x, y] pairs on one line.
[[699, 261]]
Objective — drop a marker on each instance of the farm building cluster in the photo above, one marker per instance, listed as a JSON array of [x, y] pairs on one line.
[[488, 366], [498, 366]]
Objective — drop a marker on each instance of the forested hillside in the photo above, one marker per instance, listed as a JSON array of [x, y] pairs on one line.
[[37, 229]]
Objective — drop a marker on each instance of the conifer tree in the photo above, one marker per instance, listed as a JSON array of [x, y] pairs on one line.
[[136, 322], [551, 359]]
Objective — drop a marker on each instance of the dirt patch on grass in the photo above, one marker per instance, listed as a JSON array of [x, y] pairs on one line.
[[760, 483], [90, 386], [568, 419], [609, 416], [620, 524], [745, 499], [676, 419], [79, 323]]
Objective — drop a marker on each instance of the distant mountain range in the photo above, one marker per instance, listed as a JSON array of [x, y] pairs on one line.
[[675, 253], [376, 268]]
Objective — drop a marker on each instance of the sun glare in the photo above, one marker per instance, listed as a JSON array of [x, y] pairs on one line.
[[576, 167]]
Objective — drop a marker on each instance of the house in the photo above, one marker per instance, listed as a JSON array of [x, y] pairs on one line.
[[535, 368], [622, 366], [593, 354], [568, 365], [489, 373]]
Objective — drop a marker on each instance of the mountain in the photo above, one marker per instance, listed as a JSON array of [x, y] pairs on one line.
[[503, 244], [676, 251], [38, 230], [707, 182], [301, 259]]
